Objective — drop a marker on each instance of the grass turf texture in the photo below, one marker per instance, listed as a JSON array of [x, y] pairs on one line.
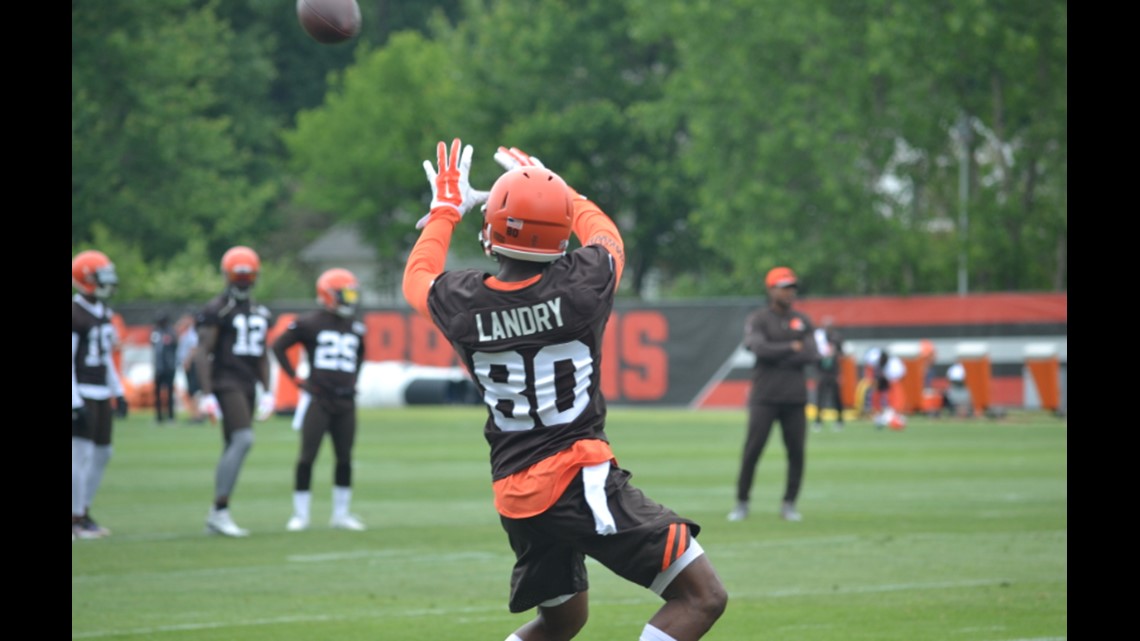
[[948, 530]]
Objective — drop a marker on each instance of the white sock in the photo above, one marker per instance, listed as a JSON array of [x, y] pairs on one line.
[[82, 451], [100, 456], [341, 497], [301, 500], [514, 637], [650, 633]]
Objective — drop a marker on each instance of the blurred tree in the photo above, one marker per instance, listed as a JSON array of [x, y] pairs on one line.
[[489, 80], [824, 138], [358, 158], [168, 142], [722, 137]]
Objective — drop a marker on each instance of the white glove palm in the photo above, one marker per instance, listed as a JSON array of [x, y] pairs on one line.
[[451, 184], [508, 159], [512, 157], [208, 407], [266, 406]]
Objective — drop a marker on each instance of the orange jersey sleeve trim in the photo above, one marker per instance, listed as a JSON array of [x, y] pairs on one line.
[[428, 257], [532, 491], [593, 227]]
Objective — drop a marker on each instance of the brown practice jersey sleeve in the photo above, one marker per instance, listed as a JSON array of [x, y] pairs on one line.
[[533, 352], [334, 350], [242, 329]]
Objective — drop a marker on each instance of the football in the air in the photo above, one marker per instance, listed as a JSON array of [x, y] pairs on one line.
[[329, 21]]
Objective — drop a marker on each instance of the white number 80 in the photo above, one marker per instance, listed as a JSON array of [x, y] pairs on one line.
[[558, 375]]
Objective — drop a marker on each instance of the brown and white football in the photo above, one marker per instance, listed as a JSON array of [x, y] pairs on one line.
[[329, 21]]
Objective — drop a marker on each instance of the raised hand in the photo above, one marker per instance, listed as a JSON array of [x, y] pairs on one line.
[[451, 182], [513, 157]]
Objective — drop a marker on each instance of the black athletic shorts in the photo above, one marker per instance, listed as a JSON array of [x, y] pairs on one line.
[[649, 547], [98, 423]]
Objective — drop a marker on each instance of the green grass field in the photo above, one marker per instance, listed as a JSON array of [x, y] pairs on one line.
[[947, 531]]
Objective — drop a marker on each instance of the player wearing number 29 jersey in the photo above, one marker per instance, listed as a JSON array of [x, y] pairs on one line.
[[531, 338], [334, 346]]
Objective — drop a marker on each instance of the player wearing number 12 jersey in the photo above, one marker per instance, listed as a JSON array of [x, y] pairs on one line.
[[531, 337], [233, 360]]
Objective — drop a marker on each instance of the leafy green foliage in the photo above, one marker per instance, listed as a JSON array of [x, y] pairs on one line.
[[162, 94], [722, 137]]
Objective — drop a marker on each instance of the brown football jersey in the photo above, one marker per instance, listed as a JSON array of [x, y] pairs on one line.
[[242, 327], [534, 353], [334, 349], [91, 322]]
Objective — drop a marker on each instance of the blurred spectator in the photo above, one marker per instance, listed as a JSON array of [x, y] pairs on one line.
[[827, 394], [187, 344], [957, 400], [164, 342], [875, 384], [891, 371]]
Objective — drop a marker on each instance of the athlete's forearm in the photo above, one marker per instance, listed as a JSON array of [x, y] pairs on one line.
[[428, 257]]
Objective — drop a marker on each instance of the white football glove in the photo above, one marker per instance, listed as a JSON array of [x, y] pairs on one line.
[[508, 159], [451, 184], [514, 157], [208, 406], [266, 406]]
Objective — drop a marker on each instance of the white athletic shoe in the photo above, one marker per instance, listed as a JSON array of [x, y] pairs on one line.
[[788, 512], [739, 513], [297, 523], [346, 522], [220, 522]]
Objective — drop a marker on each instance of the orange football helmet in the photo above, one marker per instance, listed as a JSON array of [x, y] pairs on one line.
[[93, 274], [528, 215], [241, 265], [338, 291]]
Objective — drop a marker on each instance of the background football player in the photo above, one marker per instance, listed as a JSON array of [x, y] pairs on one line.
[[94, 381], [333, 340], [233, 366]]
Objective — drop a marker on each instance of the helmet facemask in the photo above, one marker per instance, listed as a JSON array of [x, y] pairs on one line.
[[242, 280], [347, 299], [106, 282], [339, 292]]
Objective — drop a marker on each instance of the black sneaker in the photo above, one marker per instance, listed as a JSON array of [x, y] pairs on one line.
[[93, 529]]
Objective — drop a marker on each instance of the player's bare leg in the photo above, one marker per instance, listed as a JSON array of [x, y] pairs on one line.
[[693, 602], [559, 623]]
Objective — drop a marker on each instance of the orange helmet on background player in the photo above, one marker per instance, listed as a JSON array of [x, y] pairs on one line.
[[528, 215], [93, 274], [338, 291], [241, 265]]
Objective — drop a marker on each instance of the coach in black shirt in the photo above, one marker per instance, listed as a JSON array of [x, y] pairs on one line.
[[781, 338]]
